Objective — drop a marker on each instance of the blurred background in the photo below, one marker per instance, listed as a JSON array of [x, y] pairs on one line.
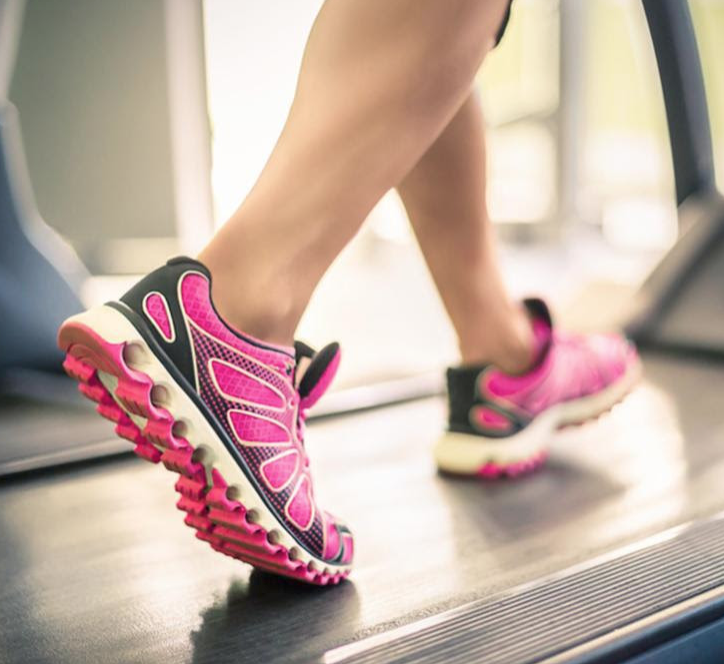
[[144, 123], [129, 131]]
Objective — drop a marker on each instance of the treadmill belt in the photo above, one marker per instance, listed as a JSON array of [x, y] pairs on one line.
[[96, 565]]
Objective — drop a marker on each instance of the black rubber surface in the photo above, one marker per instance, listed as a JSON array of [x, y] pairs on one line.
[[96, 566], [560, 614]]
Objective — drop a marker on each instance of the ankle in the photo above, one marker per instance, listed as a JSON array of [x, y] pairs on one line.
[[503, 340], [254, 300]]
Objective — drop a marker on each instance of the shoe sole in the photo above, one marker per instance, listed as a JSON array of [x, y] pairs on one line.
[[526, 451], [117, 370]]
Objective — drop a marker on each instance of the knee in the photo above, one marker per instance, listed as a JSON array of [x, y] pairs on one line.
[[451, 56]]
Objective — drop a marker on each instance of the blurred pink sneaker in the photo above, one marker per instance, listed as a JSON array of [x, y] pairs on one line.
[[223, 410], [501, 424]]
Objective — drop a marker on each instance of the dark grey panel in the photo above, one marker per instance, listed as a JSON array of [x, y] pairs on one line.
[[681, 304], [697, 315]]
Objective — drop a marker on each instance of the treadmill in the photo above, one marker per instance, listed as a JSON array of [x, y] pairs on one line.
[[611, 554]]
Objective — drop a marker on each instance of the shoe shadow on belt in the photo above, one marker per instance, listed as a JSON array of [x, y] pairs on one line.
[[270, 618]]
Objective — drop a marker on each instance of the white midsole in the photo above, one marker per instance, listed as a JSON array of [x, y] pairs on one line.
[[115, 328], [467, 453]]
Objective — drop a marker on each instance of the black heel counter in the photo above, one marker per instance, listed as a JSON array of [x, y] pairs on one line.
[[164, 280], [461, 396]]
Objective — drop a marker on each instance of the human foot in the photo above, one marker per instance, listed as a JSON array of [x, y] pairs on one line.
[[223, 410], [501, 424]]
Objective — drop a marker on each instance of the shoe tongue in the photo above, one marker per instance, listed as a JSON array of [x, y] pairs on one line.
[[321, 367], [542, 324]]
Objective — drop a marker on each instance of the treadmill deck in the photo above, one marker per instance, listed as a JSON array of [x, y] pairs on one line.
[[90, 573]]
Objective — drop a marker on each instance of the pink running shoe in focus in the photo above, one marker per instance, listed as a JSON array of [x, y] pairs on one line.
[[222, 410], [501, 424]]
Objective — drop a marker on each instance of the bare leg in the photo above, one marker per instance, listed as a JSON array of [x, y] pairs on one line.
[[444, 195], [379, 82]]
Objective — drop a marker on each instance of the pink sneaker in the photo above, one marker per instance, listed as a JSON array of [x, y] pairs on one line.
[[501, 424], [223, 410]]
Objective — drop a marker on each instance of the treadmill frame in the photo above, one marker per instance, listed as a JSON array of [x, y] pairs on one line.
[[700, 205]]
